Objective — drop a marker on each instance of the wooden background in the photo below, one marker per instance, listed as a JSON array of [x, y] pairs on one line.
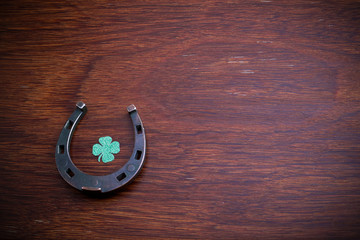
[[251, 110]]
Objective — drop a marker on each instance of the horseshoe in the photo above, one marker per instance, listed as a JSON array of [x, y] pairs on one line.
[[90, 183]]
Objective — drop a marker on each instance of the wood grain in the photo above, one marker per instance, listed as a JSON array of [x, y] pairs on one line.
[[251, 110]]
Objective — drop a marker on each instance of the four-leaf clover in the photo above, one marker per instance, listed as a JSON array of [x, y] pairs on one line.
[[106, 149]]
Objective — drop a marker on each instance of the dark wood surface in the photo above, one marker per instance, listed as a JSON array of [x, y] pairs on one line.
[[251, 110]]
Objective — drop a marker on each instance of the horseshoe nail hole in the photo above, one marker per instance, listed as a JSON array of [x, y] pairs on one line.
[[121, 177], [138, 155], [60, 149], [69, 124], [138, 129], [70, 173]]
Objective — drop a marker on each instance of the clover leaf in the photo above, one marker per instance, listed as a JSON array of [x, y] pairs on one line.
[[106, 150]]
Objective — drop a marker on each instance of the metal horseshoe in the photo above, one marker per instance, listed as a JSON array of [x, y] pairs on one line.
[[106, 183]]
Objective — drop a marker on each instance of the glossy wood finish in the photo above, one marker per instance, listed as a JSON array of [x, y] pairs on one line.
[[251, 110]]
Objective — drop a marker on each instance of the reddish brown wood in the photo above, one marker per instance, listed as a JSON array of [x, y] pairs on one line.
[[251, 110]]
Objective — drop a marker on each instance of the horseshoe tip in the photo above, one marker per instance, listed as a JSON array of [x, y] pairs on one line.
[[81, 106], [131, 108]]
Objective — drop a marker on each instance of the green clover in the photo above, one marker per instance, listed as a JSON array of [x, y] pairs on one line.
[[107, 149]]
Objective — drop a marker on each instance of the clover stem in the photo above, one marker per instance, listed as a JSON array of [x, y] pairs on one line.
[[99, 157]]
